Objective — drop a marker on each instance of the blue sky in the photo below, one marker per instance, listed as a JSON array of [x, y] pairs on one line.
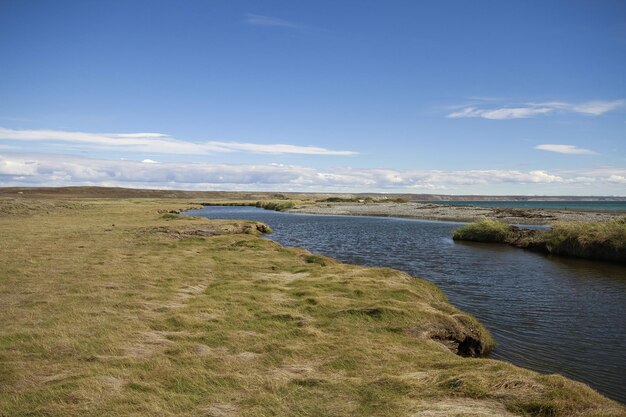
[[454, 97]]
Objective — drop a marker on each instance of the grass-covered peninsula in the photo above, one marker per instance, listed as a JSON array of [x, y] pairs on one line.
[[122, 307], [603, 240]]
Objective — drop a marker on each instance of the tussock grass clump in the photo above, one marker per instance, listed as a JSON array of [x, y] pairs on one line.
[[594, 240], [486, 230], [363, 200], [604, 240], [171, 216], [345, 200], [320, 260], [276, 205], [585, 234]]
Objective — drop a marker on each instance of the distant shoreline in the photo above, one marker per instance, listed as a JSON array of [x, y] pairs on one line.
[[419, 206], [120, 192], [454, 213]]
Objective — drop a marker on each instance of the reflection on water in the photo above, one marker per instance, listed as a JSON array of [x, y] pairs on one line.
[[548, 314]]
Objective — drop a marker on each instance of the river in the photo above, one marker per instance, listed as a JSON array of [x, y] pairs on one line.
[[549, 314]]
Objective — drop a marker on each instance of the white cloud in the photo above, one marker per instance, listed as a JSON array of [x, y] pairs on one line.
[[526, 110], [592, 108], [617, 179], [500, 114], [566, 149], [50, 170], [17, 167], [158, 143], [150, 161]]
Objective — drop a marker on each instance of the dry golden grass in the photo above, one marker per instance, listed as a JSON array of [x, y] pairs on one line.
[[109, 309], [585, 234]]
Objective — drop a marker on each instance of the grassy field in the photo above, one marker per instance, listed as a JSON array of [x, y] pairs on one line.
[[113, 307]]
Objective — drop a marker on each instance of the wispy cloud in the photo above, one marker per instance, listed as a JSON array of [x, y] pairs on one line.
[[501, 113], [526, 110], [566, 149], [36, 169], [159, 143], [260, 20]]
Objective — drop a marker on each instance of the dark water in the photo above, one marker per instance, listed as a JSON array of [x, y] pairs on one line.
[[552, 315], [556, 205]]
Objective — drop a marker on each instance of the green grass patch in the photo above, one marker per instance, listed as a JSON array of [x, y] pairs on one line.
[[587, 234], [276, 205], [486, 230], [605, 240]]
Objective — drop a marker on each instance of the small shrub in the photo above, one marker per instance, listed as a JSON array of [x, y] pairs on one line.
[[316, 259], [483, 231], [339, 200], [275, 205], [363, 200]]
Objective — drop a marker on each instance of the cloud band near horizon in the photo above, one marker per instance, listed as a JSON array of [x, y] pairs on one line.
[[57, 170]]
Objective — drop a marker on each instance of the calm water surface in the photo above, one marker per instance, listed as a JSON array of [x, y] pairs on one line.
[[549, 314]]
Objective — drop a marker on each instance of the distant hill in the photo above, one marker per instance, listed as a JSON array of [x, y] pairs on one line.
[[115, 192]]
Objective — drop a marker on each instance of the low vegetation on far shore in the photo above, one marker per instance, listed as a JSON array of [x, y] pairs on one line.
[[280, 205], [359, 199], [110, 308], [605, 240]]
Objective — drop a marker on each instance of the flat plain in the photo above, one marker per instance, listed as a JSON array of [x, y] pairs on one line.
[[120, 306]]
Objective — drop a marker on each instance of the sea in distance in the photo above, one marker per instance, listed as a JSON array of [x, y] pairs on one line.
[[554, 205]]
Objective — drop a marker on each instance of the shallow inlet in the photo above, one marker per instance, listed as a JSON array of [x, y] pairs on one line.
[[553, 315]]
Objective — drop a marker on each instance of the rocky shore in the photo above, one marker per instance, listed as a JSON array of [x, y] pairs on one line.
[[431, 211]]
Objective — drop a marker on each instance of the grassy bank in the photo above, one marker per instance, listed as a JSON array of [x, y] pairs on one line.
[[280, 205], [122, 308], [590, 240]]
